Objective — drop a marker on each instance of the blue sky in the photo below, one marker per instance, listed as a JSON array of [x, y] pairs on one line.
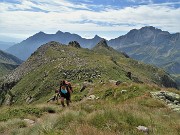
[[20, 19]]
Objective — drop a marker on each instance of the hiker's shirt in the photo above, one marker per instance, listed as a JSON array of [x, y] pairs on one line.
[[64, 91]]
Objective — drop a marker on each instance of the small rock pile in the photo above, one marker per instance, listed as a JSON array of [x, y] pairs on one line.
[[171, 99]]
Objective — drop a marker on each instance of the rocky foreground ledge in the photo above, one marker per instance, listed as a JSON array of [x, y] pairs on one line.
[[171, 99]]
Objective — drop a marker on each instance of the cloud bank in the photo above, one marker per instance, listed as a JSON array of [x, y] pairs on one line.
[[22, 18]]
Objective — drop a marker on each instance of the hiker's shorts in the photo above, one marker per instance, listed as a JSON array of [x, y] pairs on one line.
[[66, 96]]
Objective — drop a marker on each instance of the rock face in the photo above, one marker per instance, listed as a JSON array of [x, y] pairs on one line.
[[171, 99]]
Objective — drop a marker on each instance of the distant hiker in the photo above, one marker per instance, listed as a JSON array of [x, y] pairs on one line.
[[65, 91], [55, 97]]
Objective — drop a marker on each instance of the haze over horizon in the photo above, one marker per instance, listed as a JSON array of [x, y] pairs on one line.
[[109, 19]]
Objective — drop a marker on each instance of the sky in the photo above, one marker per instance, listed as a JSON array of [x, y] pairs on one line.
[[109, 19]]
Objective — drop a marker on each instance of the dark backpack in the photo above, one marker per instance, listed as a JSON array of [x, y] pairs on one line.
[[68, 86]]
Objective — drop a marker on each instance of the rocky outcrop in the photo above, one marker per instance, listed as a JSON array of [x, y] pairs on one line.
[[102, 43], [170, 98], [74, 44], [5, 93]]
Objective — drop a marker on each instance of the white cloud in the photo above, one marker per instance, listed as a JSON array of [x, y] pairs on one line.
[[66, 16], [141, 1]]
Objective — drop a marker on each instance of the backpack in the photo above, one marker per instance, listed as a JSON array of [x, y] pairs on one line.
[[69, 85]]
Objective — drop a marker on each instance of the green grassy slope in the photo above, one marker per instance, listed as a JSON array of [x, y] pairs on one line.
[[114, 113], [39, 76]]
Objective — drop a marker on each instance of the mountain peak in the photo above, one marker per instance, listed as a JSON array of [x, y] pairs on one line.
[[97, 37], [40, 33], [59, 32], [149, 27], [102, 43]]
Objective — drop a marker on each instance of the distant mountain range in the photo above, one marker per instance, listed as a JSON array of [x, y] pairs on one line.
[[6, 45], [24, 49], [148, 44], [8, 62]]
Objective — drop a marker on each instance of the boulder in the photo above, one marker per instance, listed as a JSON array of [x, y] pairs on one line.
[[123, 91], [30, 122], [92, 97], [143, 129]]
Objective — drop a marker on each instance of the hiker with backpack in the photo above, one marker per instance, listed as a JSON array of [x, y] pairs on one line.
[[65, 91]]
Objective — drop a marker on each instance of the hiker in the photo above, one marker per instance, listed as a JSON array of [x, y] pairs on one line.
[[65, 91], [55, 97]]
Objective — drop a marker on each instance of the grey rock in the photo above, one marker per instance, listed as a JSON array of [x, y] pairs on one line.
[[176, 102], [123, 91], [91, 97], [31, 122], [143, 129], [170, 98]]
